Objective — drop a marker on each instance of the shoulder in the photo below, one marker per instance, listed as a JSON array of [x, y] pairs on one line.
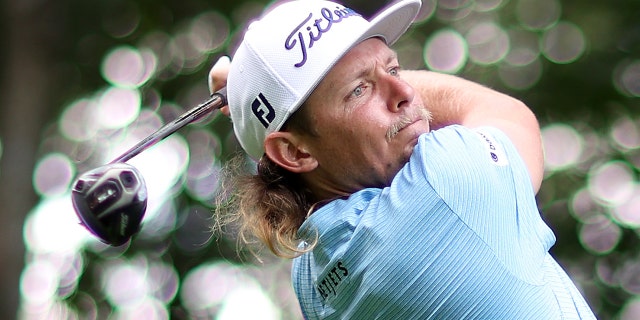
[[452, 137], [460, 163], [457, 146]]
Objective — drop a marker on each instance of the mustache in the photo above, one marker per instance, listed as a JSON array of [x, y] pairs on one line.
[[407, 119]]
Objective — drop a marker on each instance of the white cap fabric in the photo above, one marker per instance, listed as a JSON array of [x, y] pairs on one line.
[[286, 53]]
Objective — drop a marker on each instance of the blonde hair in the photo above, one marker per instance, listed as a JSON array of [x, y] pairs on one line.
[[267, 207]]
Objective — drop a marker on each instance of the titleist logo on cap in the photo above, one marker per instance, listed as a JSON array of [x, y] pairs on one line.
[[315, 30]]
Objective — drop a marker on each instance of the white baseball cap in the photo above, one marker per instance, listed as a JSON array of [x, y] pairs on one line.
[[285, 54]]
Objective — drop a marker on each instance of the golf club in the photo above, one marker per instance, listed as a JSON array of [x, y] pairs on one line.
[[111, 200]]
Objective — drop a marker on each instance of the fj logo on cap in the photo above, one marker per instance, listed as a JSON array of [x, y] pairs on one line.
[[263, 110], [319, 26]]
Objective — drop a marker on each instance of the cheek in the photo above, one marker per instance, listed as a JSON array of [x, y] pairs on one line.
[[359, 135]]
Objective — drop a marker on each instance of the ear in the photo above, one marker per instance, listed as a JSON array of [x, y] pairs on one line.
[[289, 151]]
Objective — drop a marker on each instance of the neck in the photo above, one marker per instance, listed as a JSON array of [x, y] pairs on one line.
[[323, 191]]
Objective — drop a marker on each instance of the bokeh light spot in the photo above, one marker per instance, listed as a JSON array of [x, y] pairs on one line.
[[160, 220], [631, 78], [147, 308], [446, 51], [124, 284], [627, 213], [631, 309], [427, 10], [538, 14], [563, 146], [54, 218], [203, 171], [454, 10], [611, 182], [235, 305], [118, 107], [627, 78], [128, 67], [140, 286], [488, 43], [525, 47], [629, 274], [626, 134], [600, 235], [563, 43], [53, 174], [161, 166], [520, 77], [76, 122], [39, 282], [206, 286], [488, 5], [209, 31], [583, 207], [160, 43], [164, 281], [70, 267], [123, 21]]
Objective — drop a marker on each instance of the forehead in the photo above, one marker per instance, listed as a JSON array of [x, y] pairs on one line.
[[370, 50], [358, 61]]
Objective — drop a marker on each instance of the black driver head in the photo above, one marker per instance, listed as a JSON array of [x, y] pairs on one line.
[[111, 201]]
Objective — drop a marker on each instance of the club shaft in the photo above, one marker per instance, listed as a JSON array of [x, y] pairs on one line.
[[217, 101]]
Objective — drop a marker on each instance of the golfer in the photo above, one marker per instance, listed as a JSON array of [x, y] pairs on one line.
[[398, 194]]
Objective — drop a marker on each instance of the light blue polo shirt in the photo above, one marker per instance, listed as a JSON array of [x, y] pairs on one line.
[[457, 235]]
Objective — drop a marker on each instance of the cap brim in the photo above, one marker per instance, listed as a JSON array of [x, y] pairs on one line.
[[393, 21]]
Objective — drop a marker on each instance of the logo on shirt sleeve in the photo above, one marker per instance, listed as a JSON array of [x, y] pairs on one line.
[[494, 149], [328, 284]]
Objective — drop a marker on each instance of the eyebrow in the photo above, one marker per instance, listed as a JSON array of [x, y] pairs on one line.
[[392, 56]]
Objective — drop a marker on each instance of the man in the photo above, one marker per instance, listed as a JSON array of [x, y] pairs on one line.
[[399, 194]]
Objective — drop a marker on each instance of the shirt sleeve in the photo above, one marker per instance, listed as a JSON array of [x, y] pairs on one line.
[[480, 175]]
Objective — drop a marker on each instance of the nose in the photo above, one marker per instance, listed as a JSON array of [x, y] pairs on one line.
[[400, 94]]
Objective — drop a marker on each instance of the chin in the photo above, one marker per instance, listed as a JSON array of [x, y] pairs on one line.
[[403, 160], [412, 145]]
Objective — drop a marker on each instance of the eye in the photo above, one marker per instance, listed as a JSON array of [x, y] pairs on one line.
[[395, 71], [358, 91]]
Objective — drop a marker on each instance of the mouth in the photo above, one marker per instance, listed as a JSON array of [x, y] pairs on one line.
[[400, 125], [406, 121]]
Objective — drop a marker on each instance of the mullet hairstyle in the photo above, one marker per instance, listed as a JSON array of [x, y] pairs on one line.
[[267, 206]]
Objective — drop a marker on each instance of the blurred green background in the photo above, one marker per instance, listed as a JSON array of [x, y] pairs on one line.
[[83, 80]]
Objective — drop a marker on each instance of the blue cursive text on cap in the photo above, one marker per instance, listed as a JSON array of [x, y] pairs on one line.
[[319, 26]]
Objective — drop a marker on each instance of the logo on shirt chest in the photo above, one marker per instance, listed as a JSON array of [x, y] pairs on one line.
[[497, 154], [328, 284]]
